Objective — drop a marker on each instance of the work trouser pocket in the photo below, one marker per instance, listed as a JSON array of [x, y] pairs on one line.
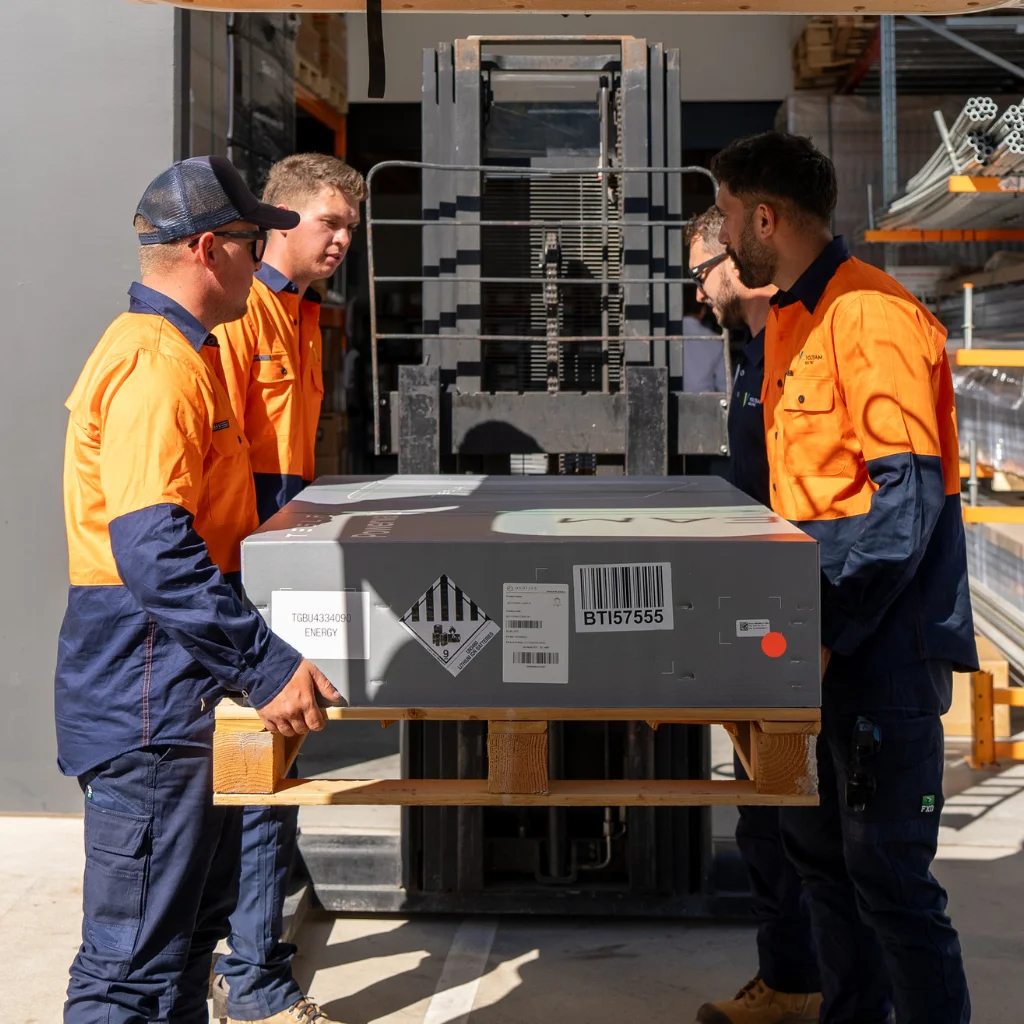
[[117, 850]]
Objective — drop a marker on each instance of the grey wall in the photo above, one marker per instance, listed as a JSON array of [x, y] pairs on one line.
[[86, 123]]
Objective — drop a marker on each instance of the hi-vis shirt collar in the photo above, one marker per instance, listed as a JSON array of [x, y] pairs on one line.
[[149, 300], [811, 284], [277, 282]]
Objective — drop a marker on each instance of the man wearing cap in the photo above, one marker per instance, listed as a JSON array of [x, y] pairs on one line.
[[158, 496], [272, 366]]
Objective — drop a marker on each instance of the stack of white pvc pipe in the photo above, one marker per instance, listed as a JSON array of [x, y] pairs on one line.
[[982, 143]]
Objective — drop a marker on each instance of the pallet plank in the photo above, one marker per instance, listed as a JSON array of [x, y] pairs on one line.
[[228, 709], [562, 793]]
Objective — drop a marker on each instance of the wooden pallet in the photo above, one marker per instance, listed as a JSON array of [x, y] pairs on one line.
[[775, 745], [828, 48]]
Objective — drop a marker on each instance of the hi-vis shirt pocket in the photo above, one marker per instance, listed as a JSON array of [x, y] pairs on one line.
[[271, 368], [229, 470], [811, 428]]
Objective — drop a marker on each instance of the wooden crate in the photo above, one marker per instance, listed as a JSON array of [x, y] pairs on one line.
[[775, 745]]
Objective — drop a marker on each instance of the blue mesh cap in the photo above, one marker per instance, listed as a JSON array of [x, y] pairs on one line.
[[201, 194]]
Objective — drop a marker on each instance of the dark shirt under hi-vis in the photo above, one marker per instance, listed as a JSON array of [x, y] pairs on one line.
[[748, 457], [863, 455], [158, 496], [272, 367]]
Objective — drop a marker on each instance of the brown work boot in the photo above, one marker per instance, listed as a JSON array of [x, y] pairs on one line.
[[305, 1011], [756, 1003]]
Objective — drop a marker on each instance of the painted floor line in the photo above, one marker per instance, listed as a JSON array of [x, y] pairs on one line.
[[452, 1002]]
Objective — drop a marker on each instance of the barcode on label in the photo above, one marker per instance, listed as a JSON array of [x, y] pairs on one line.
[[524, 623], [620, 587], [535, 657]]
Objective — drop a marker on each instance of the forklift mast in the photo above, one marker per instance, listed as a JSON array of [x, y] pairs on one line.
[[552, 338]]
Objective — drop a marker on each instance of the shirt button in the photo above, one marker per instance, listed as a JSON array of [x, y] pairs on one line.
[[283, 371], [801, 398], [780, 383], [773, 487], [776, 435]]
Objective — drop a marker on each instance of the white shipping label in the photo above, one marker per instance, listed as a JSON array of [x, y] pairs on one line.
[[323, 625], [449, 625], [535, 638], [753, 627], [617, 598]]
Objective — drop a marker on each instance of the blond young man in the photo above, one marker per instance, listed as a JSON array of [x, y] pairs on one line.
[[273, 370]]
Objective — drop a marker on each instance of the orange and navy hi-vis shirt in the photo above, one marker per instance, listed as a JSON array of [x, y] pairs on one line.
[[272, 367], [158, 496], [863, 455]]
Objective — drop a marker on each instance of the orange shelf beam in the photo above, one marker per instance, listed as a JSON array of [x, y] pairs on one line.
[[1012, 184], [990, 357], [308, 101], [918, 235], [993, 514]]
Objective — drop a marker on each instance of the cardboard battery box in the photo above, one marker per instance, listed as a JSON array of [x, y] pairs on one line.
[[604, 592]]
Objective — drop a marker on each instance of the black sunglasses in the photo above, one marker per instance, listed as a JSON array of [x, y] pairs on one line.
[[701, 271], [258, 239]]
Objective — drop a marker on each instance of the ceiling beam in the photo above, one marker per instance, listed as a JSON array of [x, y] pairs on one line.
[[940, 7]]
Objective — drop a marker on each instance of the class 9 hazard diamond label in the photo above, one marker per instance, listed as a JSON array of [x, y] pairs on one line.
[[449, 625]]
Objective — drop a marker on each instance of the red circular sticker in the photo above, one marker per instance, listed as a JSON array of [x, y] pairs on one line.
[[773, 644]]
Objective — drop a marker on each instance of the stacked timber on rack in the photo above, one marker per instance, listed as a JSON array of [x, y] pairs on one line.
[[828, 47], [321, 58]]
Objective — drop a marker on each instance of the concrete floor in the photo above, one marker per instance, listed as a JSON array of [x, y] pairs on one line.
[[486, 971]]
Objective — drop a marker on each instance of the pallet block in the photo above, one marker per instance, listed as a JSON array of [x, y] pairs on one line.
[[775, 745]]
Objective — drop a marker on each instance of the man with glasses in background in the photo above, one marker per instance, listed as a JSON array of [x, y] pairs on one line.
[[786, 988], [158, 495], [272, 363]]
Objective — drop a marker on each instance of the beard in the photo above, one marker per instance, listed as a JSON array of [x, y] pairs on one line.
[[730, 313], [755, 262]]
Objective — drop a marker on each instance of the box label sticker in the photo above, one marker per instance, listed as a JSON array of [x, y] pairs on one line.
[[323, 625], [535, 637], [618, 598], [450, 626], [753, 627]]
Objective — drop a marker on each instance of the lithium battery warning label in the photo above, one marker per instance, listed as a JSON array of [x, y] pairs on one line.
[[453, 628]]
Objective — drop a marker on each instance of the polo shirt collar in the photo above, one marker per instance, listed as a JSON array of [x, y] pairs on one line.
[[753, 351], [811, 284], [154, 303], [277, 283]]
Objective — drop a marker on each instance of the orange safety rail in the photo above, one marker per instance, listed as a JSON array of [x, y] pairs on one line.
[[986, 750]]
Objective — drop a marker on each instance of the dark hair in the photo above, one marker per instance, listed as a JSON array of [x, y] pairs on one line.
[[775, 165], [706, 227]]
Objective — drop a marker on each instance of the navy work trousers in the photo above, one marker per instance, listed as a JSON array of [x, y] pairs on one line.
[[786, 957], [161, 876], [258, 970], [878, 914]]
